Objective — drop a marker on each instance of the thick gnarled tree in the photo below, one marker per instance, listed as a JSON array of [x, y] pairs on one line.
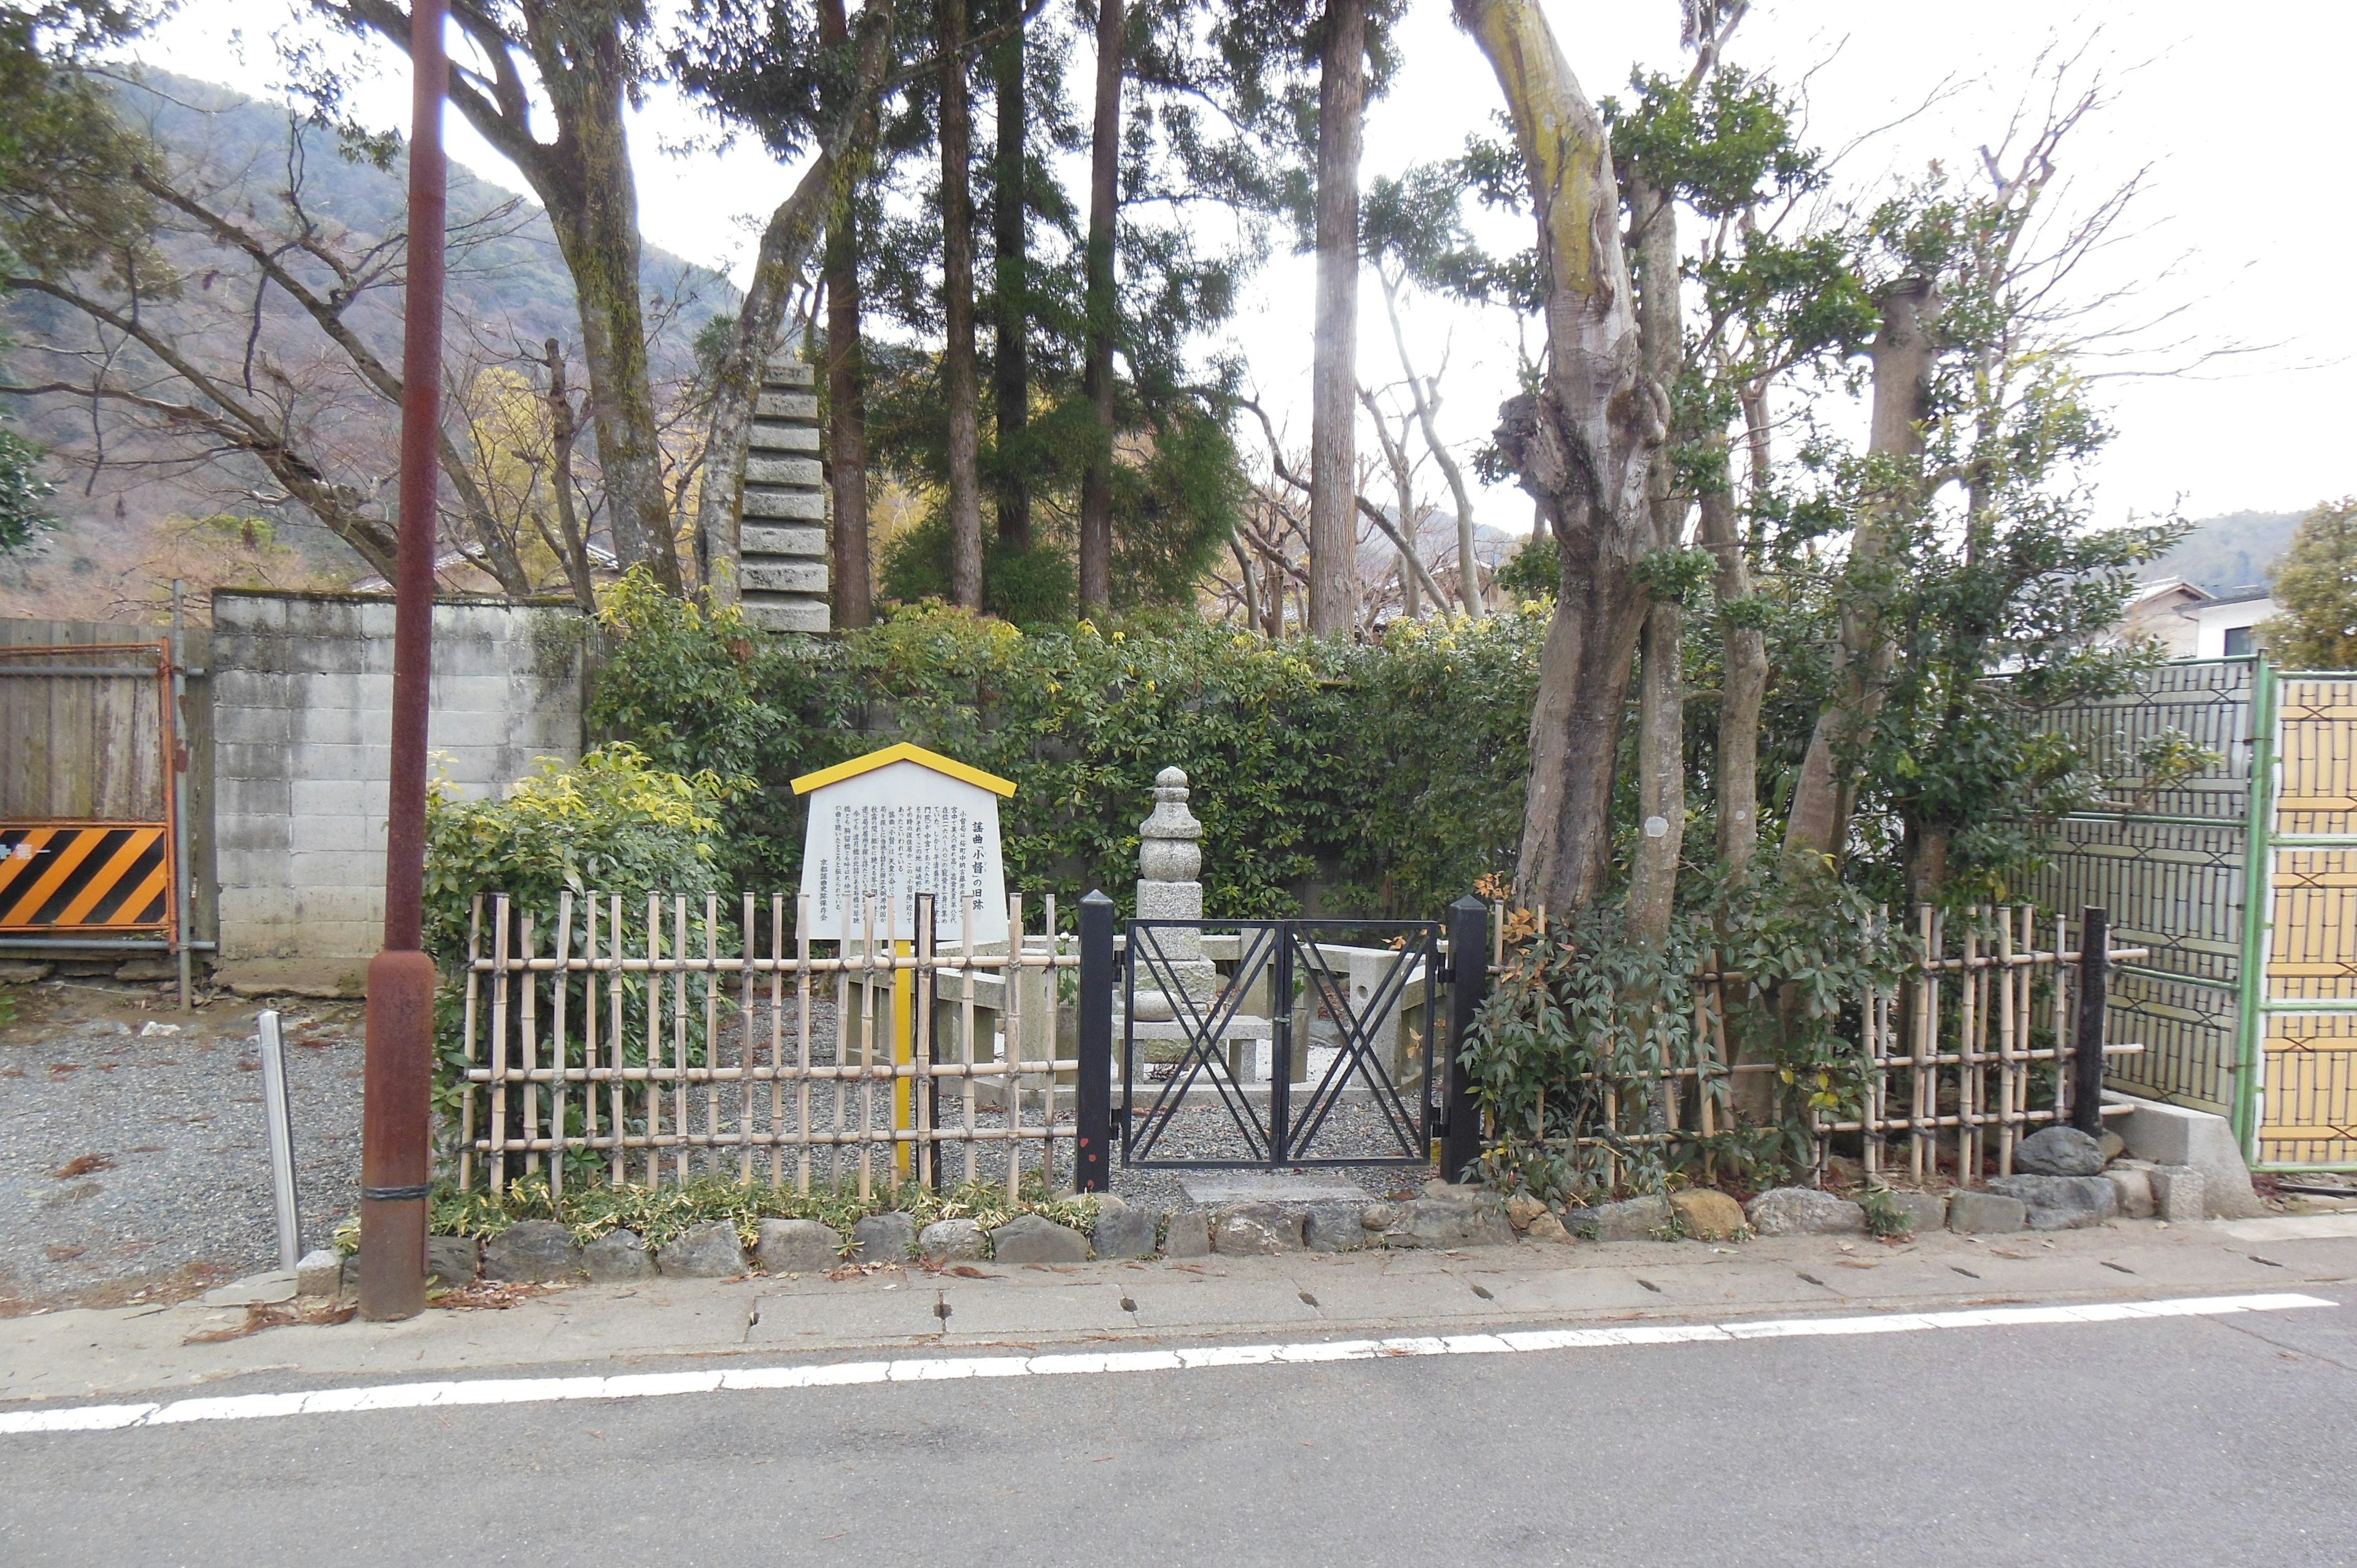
[[1583, 446]]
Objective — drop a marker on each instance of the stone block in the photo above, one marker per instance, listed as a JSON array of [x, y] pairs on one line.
[[796, 1247], [1034, 1239], [1923, 1210], [2174, 1135], [2060, 1202], [15, 972], [761, 576], [796, 471], [1521, 1209], [2179, 1194], [617, 1256], [1804, 1211], [2059, 1152], [1256, 1229], [755, 539], [1475, 1221], [532, 1251], [798, 505], [2134, 1187], [1708, 1214], [785, 405], [777, 436], [132, 972], [319, 1273], [712, 1250], [788, 615], [1630, 1219], [1333, 1226], [453, 1260], [1986, 1214], [1187, 1234], [785, 371], [885, 1238], [953, 1241], [1122, 1232]]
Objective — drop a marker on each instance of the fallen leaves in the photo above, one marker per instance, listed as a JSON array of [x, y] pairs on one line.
[[83, 1164]]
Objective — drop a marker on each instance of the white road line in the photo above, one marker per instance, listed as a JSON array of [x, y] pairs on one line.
[[654, 1385]]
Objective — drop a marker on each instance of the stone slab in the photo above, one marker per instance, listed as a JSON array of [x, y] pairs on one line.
[[807, 505], [254, 1290], [1213, 1189]]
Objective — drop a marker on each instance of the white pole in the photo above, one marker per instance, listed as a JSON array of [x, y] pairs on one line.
[[276, 1115]]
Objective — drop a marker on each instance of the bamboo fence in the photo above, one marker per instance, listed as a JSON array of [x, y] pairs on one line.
[[634, 1041]]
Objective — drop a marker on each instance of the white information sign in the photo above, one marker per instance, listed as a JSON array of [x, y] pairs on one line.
[[895, 830]]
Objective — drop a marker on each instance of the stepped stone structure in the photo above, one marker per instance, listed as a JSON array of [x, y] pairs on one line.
[[1170, 860], [781, 542]]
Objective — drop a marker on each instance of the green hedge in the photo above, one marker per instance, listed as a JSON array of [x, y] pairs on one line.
[[1386, 777]]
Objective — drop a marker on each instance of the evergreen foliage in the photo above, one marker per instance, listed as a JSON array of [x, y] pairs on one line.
[[2316, 583]]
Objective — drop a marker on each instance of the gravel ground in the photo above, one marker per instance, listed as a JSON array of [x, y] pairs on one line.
[[134, 1165]]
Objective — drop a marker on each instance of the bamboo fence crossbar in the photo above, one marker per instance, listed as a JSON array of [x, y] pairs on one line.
[[637, 1043]]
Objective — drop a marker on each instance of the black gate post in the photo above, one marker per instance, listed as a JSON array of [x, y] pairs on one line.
[[1092, 1095], [2087, 1049], [1468, 985]]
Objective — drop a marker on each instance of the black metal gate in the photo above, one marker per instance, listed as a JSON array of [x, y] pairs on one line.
[[1281, 1043]]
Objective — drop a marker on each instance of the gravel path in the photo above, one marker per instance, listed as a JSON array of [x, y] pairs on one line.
[[135, 1164]]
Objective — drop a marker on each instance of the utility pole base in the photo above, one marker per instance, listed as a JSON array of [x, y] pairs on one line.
[[395, 1169]]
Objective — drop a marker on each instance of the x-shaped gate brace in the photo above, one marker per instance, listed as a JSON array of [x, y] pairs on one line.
[[1287, 954]]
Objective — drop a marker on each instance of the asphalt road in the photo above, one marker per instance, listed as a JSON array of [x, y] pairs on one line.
[[2196, 1440]]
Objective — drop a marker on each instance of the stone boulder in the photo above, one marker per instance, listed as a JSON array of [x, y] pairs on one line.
[[1521, 1209], [1188, 1234], [619, 1255], [1257, 1230], [453, 1260], [1034, 1239], [1707, 1214], [1333, 1226], [796, 1247], [885, 1238], [953, 1241], [2133, 1185], [1122, 1232], [1986, 1214], [532, 1251], [1630, 1219], [1547, 1229], [2179, 1193], [1804, 1211], [2059, 1152], [712, 1250], [2060, 1202], [1465, 1217], [320, 1273]]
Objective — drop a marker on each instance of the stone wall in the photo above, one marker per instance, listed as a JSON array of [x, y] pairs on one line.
[[302, 722]]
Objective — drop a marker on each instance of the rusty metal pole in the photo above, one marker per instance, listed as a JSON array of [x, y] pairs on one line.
[[394, 1175]]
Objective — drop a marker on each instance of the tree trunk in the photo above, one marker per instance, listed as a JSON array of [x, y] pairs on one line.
[[1104, 170], [1816, 829], [958, 376], [1743, 682], [593, 206], [1010, 243], [563, 432], [847, 409], [1583, 446], [1334, 373], [1660, 697], [1425, 395], [846, 376], [785, 247]]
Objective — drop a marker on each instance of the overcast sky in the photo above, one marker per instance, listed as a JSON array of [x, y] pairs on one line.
[[2237, 114]]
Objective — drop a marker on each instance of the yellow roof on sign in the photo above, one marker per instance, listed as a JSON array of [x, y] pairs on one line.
[[904, 752]]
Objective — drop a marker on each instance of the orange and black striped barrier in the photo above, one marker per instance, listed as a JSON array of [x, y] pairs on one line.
[[66, 877]]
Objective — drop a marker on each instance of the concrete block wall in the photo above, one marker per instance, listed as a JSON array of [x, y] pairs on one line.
[[302, 725]]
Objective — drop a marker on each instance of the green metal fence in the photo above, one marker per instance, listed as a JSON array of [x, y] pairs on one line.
[[2253, 1018]]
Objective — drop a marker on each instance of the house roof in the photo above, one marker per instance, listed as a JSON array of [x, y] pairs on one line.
[[949, 768]]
